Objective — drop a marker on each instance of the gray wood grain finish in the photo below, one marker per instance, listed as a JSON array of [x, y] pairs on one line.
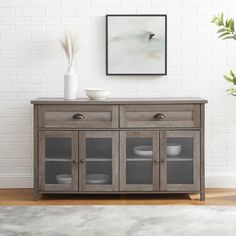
[[195, 186], [117, 101], [156, 161], [83, 136], [75, 161], [118, 119], [202, 165], [121, 192], [42, 160], [124, 186], [163, 164], [82, 156], [62, 116], [36, 194], [142, 116]]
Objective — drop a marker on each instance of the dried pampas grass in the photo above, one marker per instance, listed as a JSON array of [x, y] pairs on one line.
[[69, 43]]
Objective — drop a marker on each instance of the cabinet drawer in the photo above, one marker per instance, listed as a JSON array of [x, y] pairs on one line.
[[146, 116], [78, 116]]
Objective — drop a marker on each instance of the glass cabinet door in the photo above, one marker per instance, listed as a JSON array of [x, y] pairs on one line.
[[58, 155], [99, 160], [139, 160], [180, 160]]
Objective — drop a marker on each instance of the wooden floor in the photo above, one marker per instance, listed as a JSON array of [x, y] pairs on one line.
[[22, 197]]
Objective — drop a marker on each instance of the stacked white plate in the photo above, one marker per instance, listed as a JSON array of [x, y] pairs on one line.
[[64, 179], [97, 179]]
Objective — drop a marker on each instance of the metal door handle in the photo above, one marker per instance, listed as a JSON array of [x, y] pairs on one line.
[[78, 116], [159, 116]]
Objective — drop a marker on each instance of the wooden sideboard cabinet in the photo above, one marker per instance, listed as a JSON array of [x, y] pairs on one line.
[[119, 146]]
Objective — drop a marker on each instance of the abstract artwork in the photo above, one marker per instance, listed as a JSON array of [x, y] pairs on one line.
[[136, 44]]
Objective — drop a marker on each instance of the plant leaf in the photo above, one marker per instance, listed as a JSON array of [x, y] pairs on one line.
[[228, 37], [213, 19], [224, 34], [231, 25], [231, 91], [227, 23], [228, 79], [221, 30], [232, 73], [217, 22]]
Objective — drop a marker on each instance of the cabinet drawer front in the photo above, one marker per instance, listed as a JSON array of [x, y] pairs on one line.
[[133, 116], [78, 116]]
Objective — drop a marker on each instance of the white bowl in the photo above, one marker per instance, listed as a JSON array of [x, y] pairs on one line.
[[97, 94], [145, 151], [64, 179], [173, 149]]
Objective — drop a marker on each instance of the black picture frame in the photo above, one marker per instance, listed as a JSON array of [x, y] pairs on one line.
[[135, 15]]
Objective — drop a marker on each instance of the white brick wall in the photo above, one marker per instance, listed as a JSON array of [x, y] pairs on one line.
[[32, 65]]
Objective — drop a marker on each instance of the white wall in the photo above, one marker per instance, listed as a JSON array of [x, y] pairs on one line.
[[32, 65]]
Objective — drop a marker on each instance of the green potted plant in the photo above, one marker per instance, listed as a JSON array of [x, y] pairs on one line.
[[226, 31]]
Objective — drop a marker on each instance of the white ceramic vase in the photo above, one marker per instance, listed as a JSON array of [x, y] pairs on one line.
[[70, 84]]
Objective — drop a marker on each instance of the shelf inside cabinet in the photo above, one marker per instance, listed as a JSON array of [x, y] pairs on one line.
[[178, 159], [98, 159], [58, 159], [138, 158], [185, 156]]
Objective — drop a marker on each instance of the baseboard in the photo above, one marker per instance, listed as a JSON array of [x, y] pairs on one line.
[[16, 182], [27, 182], [221, 182]]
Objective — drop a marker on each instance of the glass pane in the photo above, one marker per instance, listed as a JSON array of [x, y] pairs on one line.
[[58, 160], [180, 160], [99, 148], [139, 172], [99, 172], [139, 167], [99, 160], [180, 172]]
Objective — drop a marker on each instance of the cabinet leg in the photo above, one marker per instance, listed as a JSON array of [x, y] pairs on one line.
[[36, 196], [202, 196]]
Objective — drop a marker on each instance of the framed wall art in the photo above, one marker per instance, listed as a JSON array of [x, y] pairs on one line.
[[136, 44]]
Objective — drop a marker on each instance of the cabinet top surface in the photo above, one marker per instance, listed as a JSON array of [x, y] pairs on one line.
[[156, 100]]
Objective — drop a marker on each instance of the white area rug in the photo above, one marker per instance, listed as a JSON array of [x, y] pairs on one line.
[[118, 220]]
